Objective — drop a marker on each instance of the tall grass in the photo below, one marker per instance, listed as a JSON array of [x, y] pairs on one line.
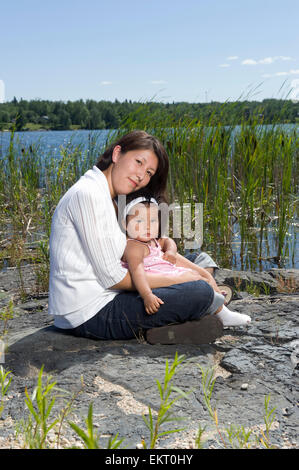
[[30, 188], [245, 176]]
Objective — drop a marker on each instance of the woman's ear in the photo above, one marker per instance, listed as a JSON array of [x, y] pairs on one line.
[[116, 153]]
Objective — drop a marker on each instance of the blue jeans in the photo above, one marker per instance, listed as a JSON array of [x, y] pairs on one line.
[[125, 317]]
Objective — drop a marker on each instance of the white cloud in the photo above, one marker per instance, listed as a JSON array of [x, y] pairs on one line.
[[158, 82], [224, 65], [232, 57], [106, 82], [249, 62], [2, 91], [290, 72], [266, 60], [281, 74]]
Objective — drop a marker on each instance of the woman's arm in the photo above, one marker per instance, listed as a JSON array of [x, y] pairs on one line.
[[93, 217], [125, 284], [158, 280]]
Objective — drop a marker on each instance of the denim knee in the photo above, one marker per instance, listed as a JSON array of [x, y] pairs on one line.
[[218, 301], [199, 291], [199, 296]]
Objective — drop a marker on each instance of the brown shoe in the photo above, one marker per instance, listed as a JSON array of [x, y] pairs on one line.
[[202, 331], [227, 292]]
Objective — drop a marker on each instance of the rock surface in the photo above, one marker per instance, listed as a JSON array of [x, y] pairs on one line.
[[120, 376]]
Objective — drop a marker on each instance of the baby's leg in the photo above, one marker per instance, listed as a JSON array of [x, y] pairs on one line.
[[226, 316], [206, 276]]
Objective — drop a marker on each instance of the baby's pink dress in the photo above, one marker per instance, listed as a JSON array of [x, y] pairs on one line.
[[154, 263]]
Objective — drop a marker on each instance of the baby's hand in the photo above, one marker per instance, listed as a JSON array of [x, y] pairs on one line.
[[170, 256], [152, 303]]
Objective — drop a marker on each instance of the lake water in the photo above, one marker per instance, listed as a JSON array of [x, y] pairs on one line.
[[49, 143]]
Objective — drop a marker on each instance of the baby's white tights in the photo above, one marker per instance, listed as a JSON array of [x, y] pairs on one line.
[[230, 318]]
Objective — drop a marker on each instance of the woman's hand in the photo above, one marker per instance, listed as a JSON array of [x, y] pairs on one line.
[[152, 303], [190, 275]]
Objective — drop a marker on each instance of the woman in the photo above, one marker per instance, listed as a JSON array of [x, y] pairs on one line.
[[90, 293]]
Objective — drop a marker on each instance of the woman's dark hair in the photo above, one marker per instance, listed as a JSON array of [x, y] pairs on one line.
[[147, 194], [137, 140]]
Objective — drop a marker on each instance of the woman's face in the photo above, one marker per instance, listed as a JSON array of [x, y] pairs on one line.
[[132, 170]]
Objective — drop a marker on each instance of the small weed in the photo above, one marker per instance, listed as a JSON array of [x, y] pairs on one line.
[[208, 382], [165, 414], [288, 286], [5, 381], [199, 443], [235, 436], [42, 266], [90, 437], [67, 410], [6, 314], [238, 437], [36, 427], [269, 418], [252, 288], [237, 283]]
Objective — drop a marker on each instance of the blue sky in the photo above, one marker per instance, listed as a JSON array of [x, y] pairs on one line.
[[162, 50]]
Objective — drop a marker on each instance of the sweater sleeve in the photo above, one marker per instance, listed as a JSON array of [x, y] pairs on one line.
[[102, 240]]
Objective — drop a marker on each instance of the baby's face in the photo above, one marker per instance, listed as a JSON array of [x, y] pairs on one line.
[[143, 222]]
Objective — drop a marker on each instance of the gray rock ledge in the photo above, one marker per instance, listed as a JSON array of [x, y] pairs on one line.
[[120, 376]]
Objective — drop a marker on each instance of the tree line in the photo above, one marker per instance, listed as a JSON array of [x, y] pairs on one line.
[[90, 114]]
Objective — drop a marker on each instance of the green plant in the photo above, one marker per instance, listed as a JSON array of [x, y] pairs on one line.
[[165, 413], [66, 410], [5, 381], [90, 437], [6, 314], [269, 418], [42, 266], [36, 427], [207, 383], [238, 437], [252, 288], [235, 436], [199, 443]]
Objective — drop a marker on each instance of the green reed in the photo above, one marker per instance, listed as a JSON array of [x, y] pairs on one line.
[[30, 188], [245, 176]]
